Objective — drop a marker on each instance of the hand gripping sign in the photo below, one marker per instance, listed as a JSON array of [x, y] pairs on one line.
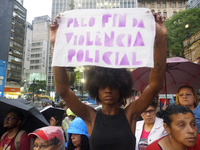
[[114, 38]]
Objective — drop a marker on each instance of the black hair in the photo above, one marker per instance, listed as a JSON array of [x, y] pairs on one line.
[[114, 78], [84, 143], [174, 109], [18, 112], [154, 102], [58, 119]]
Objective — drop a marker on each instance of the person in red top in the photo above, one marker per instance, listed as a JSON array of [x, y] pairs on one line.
[[14, 138], [179, 122]]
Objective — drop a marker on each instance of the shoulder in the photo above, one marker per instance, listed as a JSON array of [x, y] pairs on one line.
[[158, 122], [23, 136], [4, 136], [154, 146], [139, 123]]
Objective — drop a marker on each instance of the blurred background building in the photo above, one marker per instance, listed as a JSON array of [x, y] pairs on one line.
[[166, 8], [12, 30], [193, 3], [191, 47]]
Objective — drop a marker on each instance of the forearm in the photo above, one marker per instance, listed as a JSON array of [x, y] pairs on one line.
[[158, 72]]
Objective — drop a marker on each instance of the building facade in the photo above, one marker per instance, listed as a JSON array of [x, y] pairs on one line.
[[26, 56], [59, 6], [191, 47], [12, 41], [166, 8], [36, 68], [193, 3]]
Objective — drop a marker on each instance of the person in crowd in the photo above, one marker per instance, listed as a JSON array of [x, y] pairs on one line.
[[113, 127], [14, 138], [179, 122], [67, 120], [150, 128], [197, 61], [55, 120], [188, 97], [78, 135], [47, 138]]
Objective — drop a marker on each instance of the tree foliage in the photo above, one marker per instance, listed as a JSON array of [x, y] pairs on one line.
[[177, 32], [78, 77], [37, 86]]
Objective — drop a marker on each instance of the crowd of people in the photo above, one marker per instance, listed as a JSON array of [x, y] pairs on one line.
[[114, 127]]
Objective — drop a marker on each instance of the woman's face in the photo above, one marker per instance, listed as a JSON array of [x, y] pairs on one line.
[[40, 144], [108, 95], [76, 139], [183, 129], [53, 121], [186, 97], [149, 115]]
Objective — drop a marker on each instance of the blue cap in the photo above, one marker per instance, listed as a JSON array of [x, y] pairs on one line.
[[78, 126]]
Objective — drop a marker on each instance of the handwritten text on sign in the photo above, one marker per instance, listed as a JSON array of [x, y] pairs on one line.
[[115, 38]]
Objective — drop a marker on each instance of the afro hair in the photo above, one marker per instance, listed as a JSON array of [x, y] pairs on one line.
[[115, 78]]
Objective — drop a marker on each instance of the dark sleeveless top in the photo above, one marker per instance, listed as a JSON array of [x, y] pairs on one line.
[[112, 132]]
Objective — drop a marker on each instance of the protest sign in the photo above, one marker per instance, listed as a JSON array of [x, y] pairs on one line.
[[114, 38]]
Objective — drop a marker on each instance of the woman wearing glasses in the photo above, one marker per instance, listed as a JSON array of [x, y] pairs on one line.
[[47, 138], [150, 128]]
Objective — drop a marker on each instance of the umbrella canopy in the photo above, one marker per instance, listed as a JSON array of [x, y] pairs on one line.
[[45, 100], [24, 101], [49, 111], [179, 71], [33, 119]]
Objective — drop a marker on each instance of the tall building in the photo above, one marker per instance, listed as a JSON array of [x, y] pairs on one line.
[[37, 56], [27, 56], [12, 29], [166, 8], [193, 3], [59, 6]]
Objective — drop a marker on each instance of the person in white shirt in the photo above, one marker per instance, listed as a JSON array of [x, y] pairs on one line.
[[150, 128]]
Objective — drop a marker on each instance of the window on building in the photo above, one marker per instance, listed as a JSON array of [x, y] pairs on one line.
[[165, 14], [174, 12], [180, 4], [148, 5], [1, 81], [133, 4], [158, 4], [164, 5], [174, 4], [142, 5], [129, 5]]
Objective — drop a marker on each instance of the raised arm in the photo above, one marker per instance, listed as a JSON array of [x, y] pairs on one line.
[[62, 86], [157, 73]]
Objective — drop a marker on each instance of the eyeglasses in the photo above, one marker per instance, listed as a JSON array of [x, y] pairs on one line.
[[149, 111], [10, 118], [42, 147], [186, 94]]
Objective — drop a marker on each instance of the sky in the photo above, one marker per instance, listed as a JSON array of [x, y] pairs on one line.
[[36, 8]]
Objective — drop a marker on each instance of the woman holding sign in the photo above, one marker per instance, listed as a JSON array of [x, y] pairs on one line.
[[113, 127]]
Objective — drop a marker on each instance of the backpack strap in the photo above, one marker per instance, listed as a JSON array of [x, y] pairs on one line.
[[18, 139]]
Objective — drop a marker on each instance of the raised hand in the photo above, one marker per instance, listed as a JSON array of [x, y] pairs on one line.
[[53, 30], [161, 30]]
